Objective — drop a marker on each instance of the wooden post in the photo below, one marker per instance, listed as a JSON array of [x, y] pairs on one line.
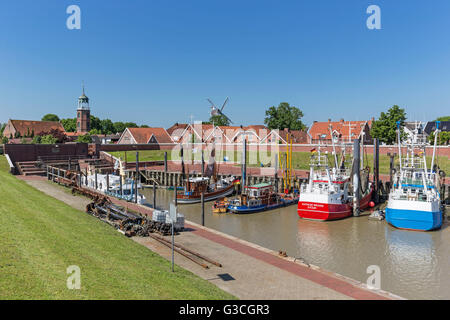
[[58, 175], [175, 193], [154, 194], [356, 177], [137, 177], [107, 182], [202, 200], [96, 179]]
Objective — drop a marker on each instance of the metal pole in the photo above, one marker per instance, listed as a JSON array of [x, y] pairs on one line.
[[276, 174], [165, 161], [136, 178], [173, 244], [244, 164], [69, 163], [95, 179], [376, 168], [121, 186], [202, 198], [356, 180], [107, 182]]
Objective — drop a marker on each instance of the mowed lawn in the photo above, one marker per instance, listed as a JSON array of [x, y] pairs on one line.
[[300, 160], [42, 236]]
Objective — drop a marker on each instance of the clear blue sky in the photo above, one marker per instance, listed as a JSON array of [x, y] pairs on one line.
[[156, 61]]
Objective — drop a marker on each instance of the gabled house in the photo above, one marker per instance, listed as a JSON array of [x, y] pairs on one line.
[[283, 136], [431, 126], [29, 128], [343, 131], [144, 136]]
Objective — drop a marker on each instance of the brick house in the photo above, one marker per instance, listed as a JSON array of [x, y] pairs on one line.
[[144, 136], [345, 131], [28, 128]]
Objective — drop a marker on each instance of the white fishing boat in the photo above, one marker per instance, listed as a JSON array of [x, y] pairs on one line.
[[414, 201]]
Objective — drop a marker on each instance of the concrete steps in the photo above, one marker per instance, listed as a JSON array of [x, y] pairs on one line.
[[30, 168]]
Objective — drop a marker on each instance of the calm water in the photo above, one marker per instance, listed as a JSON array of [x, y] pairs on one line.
[[414, 265]]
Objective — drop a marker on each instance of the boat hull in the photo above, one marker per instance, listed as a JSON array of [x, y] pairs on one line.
[[246, 209], [414, 216], [188, 199], [323, 211]]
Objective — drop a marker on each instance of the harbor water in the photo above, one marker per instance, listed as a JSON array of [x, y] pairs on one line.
[[414, 265]]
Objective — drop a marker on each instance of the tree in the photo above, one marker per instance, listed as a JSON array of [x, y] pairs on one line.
[[70, 124], [96, 123], [218, 120], [84, 138], [131, 125], [2, 128], [107, 126], [4, 140], [95, 132], [144, 126], [48, 139], [36, 140], [50, 117], [119, 127], [385, 128], [445, 118], [443, 138], [284, 116]]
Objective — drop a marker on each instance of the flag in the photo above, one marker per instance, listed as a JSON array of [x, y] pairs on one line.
[[313, 150]]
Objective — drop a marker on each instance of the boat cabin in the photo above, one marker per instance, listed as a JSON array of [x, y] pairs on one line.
[[260, 190], [196, 185]]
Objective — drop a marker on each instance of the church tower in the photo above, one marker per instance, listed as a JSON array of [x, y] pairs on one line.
[[83, 114]]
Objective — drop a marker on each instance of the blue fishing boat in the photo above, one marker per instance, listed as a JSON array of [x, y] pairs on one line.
[[261, 197], [414, 201]]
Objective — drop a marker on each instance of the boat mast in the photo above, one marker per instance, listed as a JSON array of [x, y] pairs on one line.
[[334, 148], [436, 133], [399, 145]]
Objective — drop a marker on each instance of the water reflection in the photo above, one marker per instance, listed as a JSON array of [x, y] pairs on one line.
[[413, 264]]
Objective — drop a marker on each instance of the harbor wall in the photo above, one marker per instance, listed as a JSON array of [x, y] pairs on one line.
[[32, 152]]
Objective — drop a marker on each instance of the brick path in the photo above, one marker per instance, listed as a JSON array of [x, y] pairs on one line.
[[257, 273]]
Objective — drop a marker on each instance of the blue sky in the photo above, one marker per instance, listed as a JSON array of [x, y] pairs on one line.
[[156, 62]]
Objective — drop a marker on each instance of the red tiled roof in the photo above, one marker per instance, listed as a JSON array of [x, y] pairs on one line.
[[143, 135], [178, 127], [296, 136], [25, 127], [344, 128]]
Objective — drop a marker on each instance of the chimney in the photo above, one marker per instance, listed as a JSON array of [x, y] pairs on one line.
[[329, 120], [342, 120]]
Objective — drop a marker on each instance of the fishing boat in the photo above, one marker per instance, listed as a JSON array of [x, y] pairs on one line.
[[260, 197], [111, 185], [220, 206], [209, 185], [414, 200], [326, 196], [195, 186]]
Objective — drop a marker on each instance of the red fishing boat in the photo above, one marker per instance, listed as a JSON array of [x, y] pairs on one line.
[[326, 196]]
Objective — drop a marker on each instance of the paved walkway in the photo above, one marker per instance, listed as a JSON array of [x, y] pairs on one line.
[[248, 271]]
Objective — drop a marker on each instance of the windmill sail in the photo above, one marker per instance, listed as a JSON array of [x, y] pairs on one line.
[[210, 168]]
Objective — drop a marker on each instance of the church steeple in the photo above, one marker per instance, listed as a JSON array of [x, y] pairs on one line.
[[83, 114]]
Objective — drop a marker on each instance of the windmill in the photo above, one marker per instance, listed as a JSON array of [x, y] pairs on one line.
[[218, 112]]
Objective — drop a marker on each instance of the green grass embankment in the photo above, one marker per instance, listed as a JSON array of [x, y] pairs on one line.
[[41, 236]]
